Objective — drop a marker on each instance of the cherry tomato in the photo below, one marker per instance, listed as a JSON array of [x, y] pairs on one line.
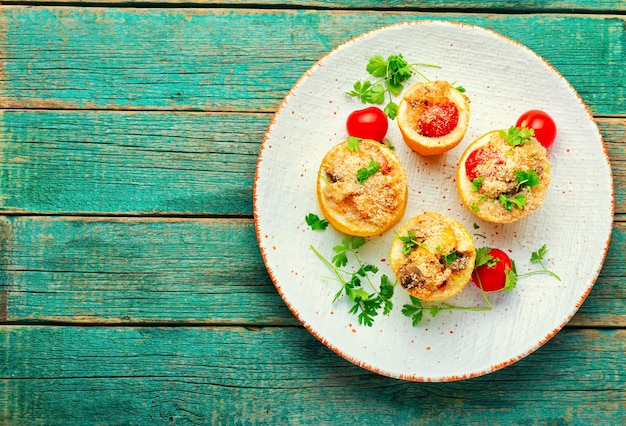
[[543, 125], [368, 123], [439, 120], [491, 275], [479, 157]]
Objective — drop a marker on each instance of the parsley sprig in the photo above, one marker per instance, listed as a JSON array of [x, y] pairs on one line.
[[515, 136], [409, 241], [508, 202], [364, 173], [391, 73], [415, 309], [527, 179], [366, 305], [315, 222], [537, 257]]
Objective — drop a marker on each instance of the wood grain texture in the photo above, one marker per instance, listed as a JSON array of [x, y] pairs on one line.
[[128, 163], [155, 163], [218, 60], [277, 375], [204, 271]]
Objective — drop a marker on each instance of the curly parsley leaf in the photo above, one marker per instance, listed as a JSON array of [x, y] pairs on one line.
[[315, 222]]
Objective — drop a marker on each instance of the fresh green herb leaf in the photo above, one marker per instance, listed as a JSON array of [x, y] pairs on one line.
[[477, 182], [364, 173], [353, 143], [507, 202], [474, 205], [391, 74], [537, 257], [510, 278], [364, 304], [377, 66], [526, 179], [409, 241], [483, 257], [415, 309], [448, 258], [516, 136], [391, 109], [315, 222]]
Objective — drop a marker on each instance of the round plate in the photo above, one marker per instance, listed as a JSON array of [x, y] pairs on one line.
[[502, 79]]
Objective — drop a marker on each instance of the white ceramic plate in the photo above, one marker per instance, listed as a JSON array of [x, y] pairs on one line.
[[502, 79]]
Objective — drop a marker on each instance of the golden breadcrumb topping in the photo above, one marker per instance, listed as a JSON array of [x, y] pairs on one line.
[[499, 193], [430, 254], [371, 203]]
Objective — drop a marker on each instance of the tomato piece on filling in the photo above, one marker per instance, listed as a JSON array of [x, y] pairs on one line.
[[439, 119], [478, 158]]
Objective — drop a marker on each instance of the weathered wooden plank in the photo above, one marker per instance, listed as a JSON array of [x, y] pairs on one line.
[[101, 162], [99, 271], [494, 5], [204, 271], [58, 375], [247, 60], [128, 163]]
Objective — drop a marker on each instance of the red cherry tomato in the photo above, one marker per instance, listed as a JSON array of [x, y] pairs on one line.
[[543, 125], [491, 276], [439, 120], [368, 123], [479, 157]]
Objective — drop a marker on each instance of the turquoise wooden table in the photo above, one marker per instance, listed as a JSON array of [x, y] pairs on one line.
[[132, 286]]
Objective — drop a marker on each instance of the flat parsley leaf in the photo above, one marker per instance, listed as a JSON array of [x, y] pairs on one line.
[[364, 173], [377, 66], [507, 202], [477, 182], [527, 179], [353, 143], [515, 136], [315, 222], [409, 242], [448, 258], [391, 74], [484, 258], [365, 305]]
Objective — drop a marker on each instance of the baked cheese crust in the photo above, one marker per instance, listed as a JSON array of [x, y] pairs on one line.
[[368, 207], [416, 102], [432, 256], [498, 195]]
